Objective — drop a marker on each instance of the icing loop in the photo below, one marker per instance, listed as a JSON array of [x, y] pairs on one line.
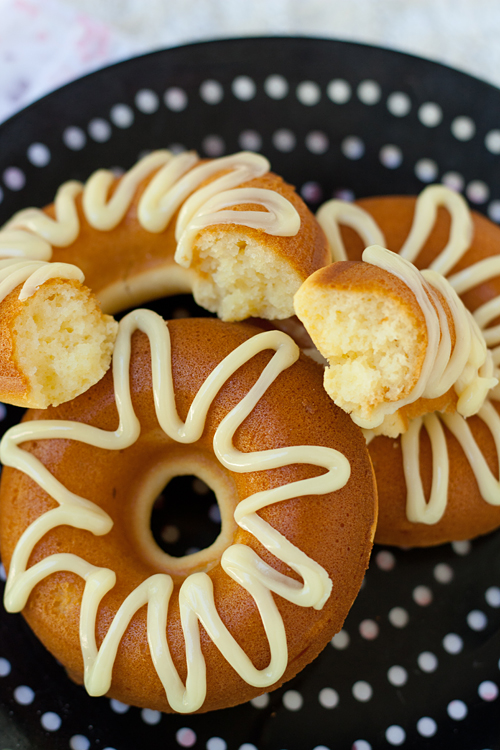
[[241, 563]]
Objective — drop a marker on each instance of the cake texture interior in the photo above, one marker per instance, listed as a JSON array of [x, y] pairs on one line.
[[237, 278], [373, 346], [62, 341]]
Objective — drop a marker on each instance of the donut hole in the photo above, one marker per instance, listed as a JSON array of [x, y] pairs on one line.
[[182, 528], [172, 526], [62, 341]]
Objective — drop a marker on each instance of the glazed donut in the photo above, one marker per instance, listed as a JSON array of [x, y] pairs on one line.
[[244, 411], [399, 342], [438, 482], [162, 228]]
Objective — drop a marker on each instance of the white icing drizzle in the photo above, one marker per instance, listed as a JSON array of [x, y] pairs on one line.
[[336, 212], [176, 184], [468, 368], [32, 274], [472, 368], [241, 563]]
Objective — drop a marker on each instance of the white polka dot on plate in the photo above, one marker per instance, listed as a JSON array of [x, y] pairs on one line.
[[395, 735], [352, 147], [488, 690], [453, 643], [250, 140], [430, 114], [308, 93], [200, 487], [170, 534], [385, 560], [339, 91], [38, 154], [214, 513], [369, 92], [463, 128], [5, 667], [477, 620], [398, 104], [121, 115], [247, 746], [341, 640], [492, 596], [213, 145], [244, 88], [293, 700], [427, 661], [147, 101], [328, 698], [361, 745], [284, 140], [494, 211], [118, 707], [399, 617], [426, 726], [211, 92], [51, 721], [345, 194], [3, 411], [261, 701], [150, 717], [79, 742], [176, 99], [426, 170], [461, 548], [185, 737], [477, 191], [457, 710], [369, 629], [397, 675], [3, 574], [317, 142], [492, 141], [74, 138], [99, 130], [311, 191], [24, 695], [14, 178], [216, 743], [422, 595], [454, 181], [362, 691], [276, 87], [391, 156]]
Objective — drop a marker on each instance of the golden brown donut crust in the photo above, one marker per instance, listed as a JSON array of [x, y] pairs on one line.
[[467, 514], [335, 530]]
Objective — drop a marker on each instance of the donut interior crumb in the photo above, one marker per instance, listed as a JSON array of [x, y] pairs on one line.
[[372, 343], [238, 278], [62, 341]]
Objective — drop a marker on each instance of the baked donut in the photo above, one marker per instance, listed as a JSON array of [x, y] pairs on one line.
[[162, 228], [298, 502], [400, 343], [438, 482]]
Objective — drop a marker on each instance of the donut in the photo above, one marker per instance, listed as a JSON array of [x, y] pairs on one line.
[[399, 342], [162, 228], [245, 411], [438, 481]]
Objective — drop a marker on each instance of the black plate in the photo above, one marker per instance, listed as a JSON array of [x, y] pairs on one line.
[[432, 682]]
